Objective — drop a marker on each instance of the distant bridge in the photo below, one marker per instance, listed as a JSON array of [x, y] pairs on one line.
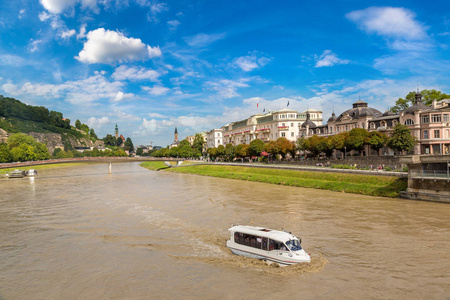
[[92, 159]]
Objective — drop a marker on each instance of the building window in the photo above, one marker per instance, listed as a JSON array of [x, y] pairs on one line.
[[292, 134], [409, 122], [425, 134], [283, 124], [436, 118], [372, 125], [283, 134], [346, 127], [436, 134], [292, 124], [445, 117], [394, 123], [425, 119]]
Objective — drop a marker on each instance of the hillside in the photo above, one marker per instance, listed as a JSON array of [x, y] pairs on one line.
[[48, 127]]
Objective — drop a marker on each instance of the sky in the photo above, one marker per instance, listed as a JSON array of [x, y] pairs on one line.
[[149, 66]]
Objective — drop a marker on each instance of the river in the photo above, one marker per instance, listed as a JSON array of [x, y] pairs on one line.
[[81, 233]]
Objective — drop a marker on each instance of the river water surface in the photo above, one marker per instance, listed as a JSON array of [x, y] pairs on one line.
[[81, 233]]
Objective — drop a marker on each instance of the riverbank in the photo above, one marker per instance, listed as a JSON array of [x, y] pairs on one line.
[[384, 186]]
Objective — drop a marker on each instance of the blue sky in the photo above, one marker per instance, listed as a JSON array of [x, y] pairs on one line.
[[150, 66]]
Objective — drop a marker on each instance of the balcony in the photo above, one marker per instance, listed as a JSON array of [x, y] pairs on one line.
[[283, 127], [263, 130]]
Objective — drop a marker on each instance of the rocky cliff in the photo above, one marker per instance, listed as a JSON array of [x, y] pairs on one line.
[[56, 140]]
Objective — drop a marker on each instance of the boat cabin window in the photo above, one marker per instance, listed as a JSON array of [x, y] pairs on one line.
[[294, 245], [250, 240], [276, 245]]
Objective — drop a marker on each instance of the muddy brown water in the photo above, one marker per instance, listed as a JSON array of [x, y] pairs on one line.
[[81, 233]]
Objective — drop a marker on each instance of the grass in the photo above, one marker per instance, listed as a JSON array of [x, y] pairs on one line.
[[42, 167], [154, 165], [341, 182]]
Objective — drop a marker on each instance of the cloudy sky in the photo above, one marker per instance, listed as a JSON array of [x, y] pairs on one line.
[[150, 66]]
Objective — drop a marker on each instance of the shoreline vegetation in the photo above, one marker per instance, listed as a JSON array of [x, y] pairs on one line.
[[371, 185]]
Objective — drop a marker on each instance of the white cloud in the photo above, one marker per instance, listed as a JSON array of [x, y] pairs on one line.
[[156, 115], [135, 73], [156, 90], [391, 22], [82, 92], [82, 33], [34, 45], [227, 88], [109, 47], [328, 59], [203, 40], [94, 122], [43, 16], [21, 13], [67, 34], [59, 6], [155, 9], [173, 24], [251, 62], [12, 60], [121, 96]]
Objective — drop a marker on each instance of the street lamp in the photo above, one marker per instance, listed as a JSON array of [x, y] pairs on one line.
[[345, 152]]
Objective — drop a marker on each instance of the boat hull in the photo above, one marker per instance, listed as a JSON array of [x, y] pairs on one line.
[[281, 260]]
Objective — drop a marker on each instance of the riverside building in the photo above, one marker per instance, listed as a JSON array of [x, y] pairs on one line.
[[269, 127], [430, 125]]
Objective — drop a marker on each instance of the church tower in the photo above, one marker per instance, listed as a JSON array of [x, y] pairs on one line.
[[176, 136], [117, 132]]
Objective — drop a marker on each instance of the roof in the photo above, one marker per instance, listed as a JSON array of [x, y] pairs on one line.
[[415, 107], [282, 236], [360, 109]]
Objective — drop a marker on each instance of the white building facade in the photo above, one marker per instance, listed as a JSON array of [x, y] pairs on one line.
[[214, 138], [269, 127]]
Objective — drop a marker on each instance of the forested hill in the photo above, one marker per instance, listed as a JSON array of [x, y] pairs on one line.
[[19, 117], [48, 127]]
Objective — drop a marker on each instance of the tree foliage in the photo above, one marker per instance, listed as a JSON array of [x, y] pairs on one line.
[[401, 139], [427, 98], [256, 147]]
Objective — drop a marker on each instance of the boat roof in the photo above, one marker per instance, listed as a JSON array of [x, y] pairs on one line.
[[282, 236]]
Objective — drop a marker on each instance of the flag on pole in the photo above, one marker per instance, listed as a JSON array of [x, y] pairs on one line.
[[257, 105], [288, 103], [264, 110]]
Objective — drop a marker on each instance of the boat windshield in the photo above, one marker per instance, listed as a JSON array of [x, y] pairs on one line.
[[293, 245]]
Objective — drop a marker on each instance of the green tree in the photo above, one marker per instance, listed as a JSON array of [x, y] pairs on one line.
[[356, 138], [184, 143], [128, 145], [401, 139], [119, 141], [230, 152], [77, 124], [376, 140], [427, 98], [139, 151], [221, 151], [109, 140], [5, 153], [199, 142], [256, 147], [85, 128], [92, 134], [241, 150]]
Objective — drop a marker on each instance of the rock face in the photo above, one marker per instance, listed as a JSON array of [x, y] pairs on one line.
[[3, 136], [55, 140]]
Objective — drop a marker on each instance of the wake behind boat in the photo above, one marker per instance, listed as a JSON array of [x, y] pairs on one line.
[[270, 245]]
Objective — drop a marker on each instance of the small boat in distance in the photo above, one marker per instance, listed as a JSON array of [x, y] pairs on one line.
[[273, 246], [32, 172], [17, 174]]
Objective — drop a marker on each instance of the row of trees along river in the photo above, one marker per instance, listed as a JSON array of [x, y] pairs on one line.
[[401, 140]]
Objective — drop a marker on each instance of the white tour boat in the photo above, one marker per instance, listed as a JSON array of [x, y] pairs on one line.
[[270, 245]]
